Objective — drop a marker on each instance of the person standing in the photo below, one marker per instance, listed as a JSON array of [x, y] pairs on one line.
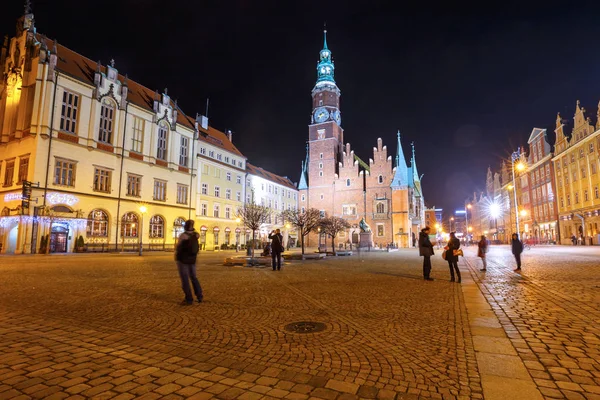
[[186, 252], [452, 246], [483, 247], [276, 248], [425, 251], [414, 239], [517, 249]]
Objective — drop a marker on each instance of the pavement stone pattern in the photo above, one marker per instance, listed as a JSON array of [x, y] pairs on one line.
[[551, 313], [110, 326]]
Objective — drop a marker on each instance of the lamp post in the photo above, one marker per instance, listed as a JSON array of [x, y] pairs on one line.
[[143, 210], [467, 208], [451, 219], [237, 234], [519, 166]]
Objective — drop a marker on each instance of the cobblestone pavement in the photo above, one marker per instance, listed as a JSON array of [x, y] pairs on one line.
[[551, 313], [110, 326]]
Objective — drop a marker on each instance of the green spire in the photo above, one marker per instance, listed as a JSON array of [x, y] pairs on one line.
[[325, 68]]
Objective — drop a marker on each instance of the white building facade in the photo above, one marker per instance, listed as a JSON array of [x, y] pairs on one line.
[[277, 193]]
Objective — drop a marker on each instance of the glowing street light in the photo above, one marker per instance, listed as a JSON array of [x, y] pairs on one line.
[[523, 213], [519, 166], [143, 210]]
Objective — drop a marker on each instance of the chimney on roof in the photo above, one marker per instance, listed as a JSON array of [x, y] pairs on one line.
[[229, 135]]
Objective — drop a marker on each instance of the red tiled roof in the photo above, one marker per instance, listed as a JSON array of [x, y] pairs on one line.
[[83, 69], [254, 170]]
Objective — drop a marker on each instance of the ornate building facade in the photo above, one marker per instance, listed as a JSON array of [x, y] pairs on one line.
[[334, 180]]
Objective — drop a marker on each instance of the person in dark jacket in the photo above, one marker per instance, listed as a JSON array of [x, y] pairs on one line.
[[276, 248], [425, 251], [186, 252], [453, 244], [517, 249], [482, 249]]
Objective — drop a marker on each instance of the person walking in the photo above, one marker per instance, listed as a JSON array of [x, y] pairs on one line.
[[425, 251], [186, 252], [517, 249], [414, 239], [276, 248], [451, 247], [483, 247]]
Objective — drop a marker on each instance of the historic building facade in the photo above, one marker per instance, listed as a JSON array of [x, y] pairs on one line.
[[109, 159], [335, 181], [543, 211], [279, 194], [103, 157], [576, 164]]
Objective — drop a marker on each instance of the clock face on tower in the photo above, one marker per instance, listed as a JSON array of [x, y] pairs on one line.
[[321, 114], [337, 117]]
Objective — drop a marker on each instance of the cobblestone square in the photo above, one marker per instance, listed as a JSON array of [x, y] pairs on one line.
[[111, 326]]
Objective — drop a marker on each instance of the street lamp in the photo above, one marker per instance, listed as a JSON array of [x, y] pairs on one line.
[[467, 208], [143, 210], [451, 219], [437, 228], [519, 166], [237, 233]]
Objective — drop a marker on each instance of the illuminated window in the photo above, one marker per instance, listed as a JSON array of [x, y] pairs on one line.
[[64, 173], [23, 169], [129, 225], [97, 224], [157, 227]]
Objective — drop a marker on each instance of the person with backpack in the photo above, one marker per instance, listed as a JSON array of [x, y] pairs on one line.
[[276, 248], [185, 255]]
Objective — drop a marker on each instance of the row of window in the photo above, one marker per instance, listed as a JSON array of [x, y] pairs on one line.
[[544, 212], [586, 197], [98, 224], [65, 172], [217, 173], [581, 152], [9, 171], [217, 192], [69, 123], [219, 157], [275, 190]]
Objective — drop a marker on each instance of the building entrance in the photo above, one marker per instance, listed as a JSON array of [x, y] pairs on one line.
[[58, 238]]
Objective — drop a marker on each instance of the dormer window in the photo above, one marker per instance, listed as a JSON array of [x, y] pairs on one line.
[[107, 114]]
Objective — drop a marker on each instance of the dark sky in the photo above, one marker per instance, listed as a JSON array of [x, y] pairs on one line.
[[465, 81]]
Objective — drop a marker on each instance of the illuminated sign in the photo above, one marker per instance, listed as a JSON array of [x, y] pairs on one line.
[[61, 198], [12, 196]]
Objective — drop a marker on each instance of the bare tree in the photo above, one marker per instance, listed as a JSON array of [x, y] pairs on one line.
[[306, 221], [252, 217], [333, 226]]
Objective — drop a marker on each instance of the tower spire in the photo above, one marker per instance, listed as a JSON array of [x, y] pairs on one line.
[[325, 68], [413, 163], [325, 36], [401, 177]]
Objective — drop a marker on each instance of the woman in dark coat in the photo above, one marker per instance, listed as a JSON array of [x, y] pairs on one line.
[[453, 244], [425, 251], [517, 249]]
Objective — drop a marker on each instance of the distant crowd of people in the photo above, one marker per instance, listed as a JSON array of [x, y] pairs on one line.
[[452, 252]]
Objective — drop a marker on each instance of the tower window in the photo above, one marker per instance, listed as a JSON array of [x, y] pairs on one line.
[[320, 173], [321, 156], [380, 179], [321, 165], [347, 182], [320, 102]]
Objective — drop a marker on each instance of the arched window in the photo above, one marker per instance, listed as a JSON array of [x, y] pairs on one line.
[[129, 225], [380, 208], [380, 179], [97, 224], [107, 115], [157, 227], [178, 227], [348, 182], [161, 144]]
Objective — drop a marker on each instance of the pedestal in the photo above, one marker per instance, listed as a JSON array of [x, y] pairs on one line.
[[366, 240]]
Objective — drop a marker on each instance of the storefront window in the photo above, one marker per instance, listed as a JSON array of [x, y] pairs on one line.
[[97, 224]]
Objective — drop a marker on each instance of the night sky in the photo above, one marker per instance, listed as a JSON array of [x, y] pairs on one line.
[[465, 81]]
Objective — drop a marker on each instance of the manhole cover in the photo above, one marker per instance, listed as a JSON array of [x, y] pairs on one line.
[[305, 327]]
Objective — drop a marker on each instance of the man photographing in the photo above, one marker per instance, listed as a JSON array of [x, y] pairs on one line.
[[276, 248]]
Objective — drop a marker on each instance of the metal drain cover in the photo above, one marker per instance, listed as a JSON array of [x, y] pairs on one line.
[[305, 327]]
